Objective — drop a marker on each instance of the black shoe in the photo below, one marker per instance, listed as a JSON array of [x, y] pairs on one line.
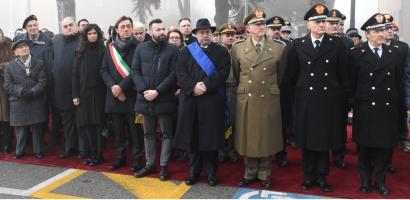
[[39, 155], [212, 180], [118, 163], [282, 163], [88, 162], [364, 189], [163, 173], [383, 189], [66, 154], [190, 180], [136, 166], [325, 187], [147, 170], [266, 184], [341, 164], [307, 184], [391, 169], [244, 182], [7, 149], [18, 156]]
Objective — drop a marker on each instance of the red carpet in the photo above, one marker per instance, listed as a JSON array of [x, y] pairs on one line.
[[345, 182]]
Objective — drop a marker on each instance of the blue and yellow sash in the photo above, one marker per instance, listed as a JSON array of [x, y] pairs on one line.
[[209, 68]]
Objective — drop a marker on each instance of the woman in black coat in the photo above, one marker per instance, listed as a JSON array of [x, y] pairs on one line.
[[89, 90]]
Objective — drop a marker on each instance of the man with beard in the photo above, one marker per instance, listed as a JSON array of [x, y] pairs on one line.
[[202, 71], [273, 26], [153, 68], [186, 30], [120, 96]]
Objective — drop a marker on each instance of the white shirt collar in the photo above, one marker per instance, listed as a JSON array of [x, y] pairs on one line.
[[314, 39], [380, 47]]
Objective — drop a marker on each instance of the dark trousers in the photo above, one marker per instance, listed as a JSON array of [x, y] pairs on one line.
[[95, 141], [121, 122], [373, 162], [21, 138], [70, 129], [208, 158], [6, 134], [281, 155], [56, 125], [315, 164], [83, 143]]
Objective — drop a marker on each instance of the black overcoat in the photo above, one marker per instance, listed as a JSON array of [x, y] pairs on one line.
[[201, 118]]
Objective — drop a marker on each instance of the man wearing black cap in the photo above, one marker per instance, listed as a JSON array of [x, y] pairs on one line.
[[227, 32], [353, 33], [285, 32], [24, 81], [274, 24], [403, 50], [334, 17], [377, 88], [257, 65], [202, 70], [317, 72]]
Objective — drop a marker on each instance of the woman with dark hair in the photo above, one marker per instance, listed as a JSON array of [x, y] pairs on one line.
[[175, 37], [89, 90]]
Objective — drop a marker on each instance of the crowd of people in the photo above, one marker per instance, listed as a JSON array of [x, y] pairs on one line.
[[214, 94]]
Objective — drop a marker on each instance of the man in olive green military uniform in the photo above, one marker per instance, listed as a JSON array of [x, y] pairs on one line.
[[257, 65]]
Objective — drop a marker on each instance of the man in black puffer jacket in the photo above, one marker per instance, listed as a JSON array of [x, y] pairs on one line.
[[153, 70]]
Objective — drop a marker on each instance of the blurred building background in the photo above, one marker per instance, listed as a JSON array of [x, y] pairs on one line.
[[105, 12]]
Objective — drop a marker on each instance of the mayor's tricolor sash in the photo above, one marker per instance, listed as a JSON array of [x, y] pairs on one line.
[[121, 66], [209, 68]]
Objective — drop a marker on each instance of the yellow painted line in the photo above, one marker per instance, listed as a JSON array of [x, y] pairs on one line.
[[149, 188], [45, 193]]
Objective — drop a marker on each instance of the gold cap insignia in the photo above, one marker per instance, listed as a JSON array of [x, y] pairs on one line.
[[259, 13], [320, 9], [276, 21]]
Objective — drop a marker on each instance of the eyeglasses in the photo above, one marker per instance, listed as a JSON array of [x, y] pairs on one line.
[[174, 38]]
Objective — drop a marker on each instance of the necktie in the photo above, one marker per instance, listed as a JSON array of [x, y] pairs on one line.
[[258, 47], [376, 51], [317, 44]]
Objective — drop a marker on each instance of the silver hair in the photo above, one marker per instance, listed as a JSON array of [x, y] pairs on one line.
[[68, 18], [139, 25]]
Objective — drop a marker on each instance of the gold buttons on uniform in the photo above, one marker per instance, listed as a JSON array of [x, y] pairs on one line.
[[251, 68], [249, 94], [262, 95], [263, 82], [250, 81], [264, 69]]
